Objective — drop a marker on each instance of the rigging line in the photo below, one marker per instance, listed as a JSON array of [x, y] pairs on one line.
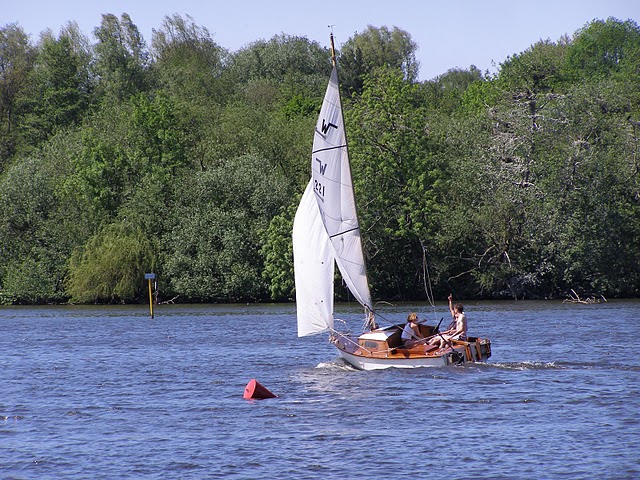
[[369, 322], [385, 318], [427, 278], [345, 232], [328, 148], [387, 322], [349, 339]]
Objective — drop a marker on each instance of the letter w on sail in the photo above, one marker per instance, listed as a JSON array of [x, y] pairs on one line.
[[322, 168], [325, 126]]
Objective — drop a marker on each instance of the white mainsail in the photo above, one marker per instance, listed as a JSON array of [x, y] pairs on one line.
[[333, 188], [326, 228], [314, 266]]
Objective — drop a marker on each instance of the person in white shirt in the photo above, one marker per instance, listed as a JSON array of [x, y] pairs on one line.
[[411, 331]]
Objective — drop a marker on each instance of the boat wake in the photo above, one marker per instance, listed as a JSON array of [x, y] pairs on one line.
[[340, 365], [530, 365], [527, 365], [336, 365]]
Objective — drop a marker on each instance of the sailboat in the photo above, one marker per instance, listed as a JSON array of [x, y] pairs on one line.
[[326, 232]]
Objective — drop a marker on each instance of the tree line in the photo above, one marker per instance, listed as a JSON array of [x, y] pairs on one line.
[[185, 159]]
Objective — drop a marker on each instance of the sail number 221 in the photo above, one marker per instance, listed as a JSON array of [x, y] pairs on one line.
[[318, 187]]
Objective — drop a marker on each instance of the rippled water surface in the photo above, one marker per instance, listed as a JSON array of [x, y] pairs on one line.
[[107, 392]]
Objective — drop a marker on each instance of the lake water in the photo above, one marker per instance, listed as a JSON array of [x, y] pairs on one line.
[[108, 393]]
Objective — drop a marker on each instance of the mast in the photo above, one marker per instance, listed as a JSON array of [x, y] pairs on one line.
[[333, 52]]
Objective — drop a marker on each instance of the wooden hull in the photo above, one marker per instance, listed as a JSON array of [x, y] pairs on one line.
[[375, 350]]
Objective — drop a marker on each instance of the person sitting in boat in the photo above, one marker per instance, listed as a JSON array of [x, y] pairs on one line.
[[458, 328], [411, 331]]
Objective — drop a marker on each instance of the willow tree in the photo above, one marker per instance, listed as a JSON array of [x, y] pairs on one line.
[[121, 58], [111, 266]]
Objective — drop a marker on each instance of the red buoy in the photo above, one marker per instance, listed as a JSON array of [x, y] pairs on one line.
[[254, 389]]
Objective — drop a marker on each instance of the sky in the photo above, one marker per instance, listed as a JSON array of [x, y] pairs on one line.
[[449, 33]]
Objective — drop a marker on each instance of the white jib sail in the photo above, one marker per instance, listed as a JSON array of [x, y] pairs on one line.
[[314, 266], [333, 188]]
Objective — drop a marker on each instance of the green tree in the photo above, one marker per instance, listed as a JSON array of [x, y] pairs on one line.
[[121, 58], [541, 167], [277, 254], [213, 248], [28, 282], [537, 70], [510, 173], [263, 121], [376, 47], [446, 93], [189, 65], [121, 145], [61, 84], [16, 62], [397, 180], [111, 266], [27, 255], [594, 202], [603, 47], [40, 223], [277, 58]]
